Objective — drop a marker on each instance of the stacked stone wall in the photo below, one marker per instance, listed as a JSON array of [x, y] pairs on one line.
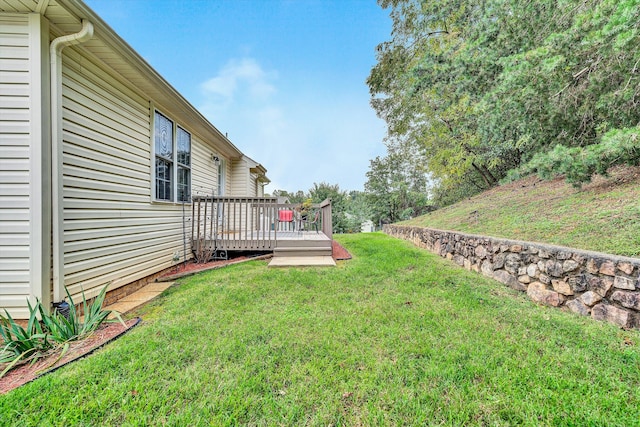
[[605, 287]]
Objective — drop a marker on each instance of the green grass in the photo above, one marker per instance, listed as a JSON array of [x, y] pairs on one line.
[[396, 336], [603, 216]]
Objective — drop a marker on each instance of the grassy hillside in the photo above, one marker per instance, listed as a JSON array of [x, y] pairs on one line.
[[602, 216]]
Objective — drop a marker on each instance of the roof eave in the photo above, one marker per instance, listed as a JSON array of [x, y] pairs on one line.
[[109, 36]]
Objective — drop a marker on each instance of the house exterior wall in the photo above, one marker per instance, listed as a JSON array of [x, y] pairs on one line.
[[204, 173], [253, 185], [239, 173], [367, 226], [245, 182], [228, 177], [24, 220], [114, 232]]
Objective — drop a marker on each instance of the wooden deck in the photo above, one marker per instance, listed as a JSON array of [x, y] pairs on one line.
[[223, 224]]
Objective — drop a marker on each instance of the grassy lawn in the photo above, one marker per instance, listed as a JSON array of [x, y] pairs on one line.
[[396, 336], [602, 216]]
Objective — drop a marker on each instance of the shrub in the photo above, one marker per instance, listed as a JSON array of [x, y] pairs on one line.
[[52, 330], [74, 327], [22, 344], [579, 164]]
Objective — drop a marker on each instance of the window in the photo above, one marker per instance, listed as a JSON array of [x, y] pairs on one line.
[[221, 180], [184, 165], [169, 152]]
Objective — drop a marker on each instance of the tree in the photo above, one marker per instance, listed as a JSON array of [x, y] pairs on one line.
[[340, 220], [482, 87], [297, 197], [397, 186], [348, 209], [574, 85], [358, 210], [424, 87]]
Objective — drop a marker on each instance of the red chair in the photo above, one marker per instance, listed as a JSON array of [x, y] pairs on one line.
[[286, 215]]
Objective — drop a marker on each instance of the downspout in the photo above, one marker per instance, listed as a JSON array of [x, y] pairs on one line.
[[57, 207]]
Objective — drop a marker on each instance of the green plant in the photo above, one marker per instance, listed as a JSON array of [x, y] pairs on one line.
[[75, 327], [23, 344], [94, 315], [579, 164], [305, 207], [53, 329]]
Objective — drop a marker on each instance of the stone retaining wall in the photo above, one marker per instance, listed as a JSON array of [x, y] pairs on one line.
[[605, 287]]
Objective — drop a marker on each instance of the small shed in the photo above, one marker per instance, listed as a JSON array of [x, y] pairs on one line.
[[367, 226]]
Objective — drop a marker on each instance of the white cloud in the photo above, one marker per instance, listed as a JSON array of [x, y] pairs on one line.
[[300, 139], [238, 74]]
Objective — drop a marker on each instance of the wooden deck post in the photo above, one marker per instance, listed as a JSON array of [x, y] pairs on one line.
[[327, 219]]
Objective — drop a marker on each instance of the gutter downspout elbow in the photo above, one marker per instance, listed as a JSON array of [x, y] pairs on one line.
[[71, 39], [55, 56]]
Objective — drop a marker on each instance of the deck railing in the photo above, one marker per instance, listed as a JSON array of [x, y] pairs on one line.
[[220, 224], [326, 217]]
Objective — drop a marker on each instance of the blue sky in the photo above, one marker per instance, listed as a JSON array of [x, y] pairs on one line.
[[284, 78]]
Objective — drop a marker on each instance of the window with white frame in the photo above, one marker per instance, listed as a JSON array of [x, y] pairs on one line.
[[221, 178], [172, 160], [184, 165]]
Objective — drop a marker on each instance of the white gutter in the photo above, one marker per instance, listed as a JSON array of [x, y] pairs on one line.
[[55, 54]]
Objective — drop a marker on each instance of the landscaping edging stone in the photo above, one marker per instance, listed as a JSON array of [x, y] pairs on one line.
[[605, 287]]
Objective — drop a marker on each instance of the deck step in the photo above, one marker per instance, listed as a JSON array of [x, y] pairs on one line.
[[299, 251], [305, 261], [307, 243]]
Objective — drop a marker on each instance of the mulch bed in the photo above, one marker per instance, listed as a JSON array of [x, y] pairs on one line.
[[339, 252], [190, 267], [27, 372]]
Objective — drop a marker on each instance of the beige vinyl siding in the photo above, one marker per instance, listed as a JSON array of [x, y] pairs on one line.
[[112, 229], [204, 173], [253, 185], [239, 175], [239, 171], [259, 189], [228, 184], [15, 163], [113, 232]]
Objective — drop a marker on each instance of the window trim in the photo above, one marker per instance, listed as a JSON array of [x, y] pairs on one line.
[[183, 166], [222, 177]]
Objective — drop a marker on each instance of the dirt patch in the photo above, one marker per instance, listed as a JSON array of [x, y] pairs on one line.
[[618, 176], [27, 372]]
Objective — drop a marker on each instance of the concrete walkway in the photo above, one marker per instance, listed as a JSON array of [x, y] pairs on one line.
[[139, 297]]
